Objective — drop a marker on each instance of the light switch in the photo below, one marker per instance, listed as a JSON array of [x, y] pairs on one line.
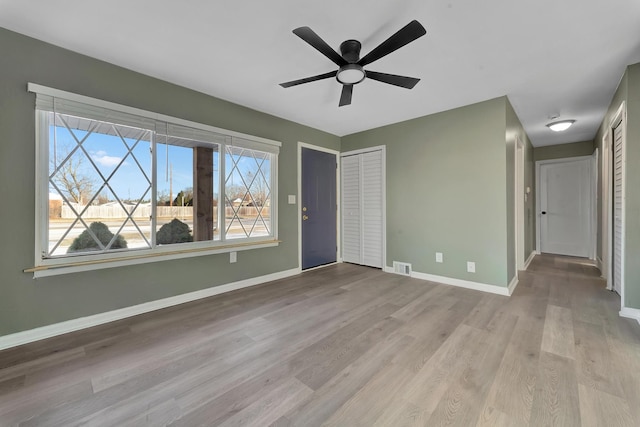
[[233, 257], [292, 199]]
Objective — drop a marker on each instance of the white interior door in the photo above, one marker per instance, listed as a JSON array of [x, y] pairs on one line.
[[520, 204], [605, 213], [372, 203], [363, 208], [565, 207], [618, 207], [351, 195]]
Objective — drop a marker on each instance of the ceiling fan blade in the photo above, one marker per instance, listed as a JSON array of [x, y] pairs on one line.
[[309, 79], [392, 79], [405, 35], [345, 97], [308, 35]]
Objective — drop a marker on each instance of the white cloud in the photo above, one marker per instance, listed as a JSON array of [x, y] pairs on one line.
[[102, 159]]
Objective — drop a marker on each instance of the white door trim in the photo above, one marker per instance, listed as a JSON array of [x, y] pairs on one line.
[[519, 204], [539, 163], [606, 214], [595, 157], [382, 148], [336, 153], [619, 118]]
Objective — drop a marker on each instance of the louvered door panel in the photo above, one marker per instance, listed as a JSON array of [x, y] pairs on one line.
[[351, 210], [617, 206], [362, 208], [372, 204]]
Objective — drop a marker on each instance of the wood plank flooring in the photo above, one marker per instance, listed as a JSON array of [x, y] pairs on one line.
[[346, 346]]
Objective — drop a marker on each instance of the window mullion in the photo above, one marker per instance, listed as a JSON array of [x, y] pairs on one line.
[[42, 184], [273, 195], [222, 198], [154, 188]]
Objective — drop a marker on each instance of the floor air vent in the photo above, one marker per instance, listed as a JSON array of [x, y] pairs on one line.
[[403, 268]]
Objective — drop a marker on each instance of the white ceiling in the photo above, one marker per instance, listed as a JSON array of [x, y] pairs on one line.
[[549, 56]]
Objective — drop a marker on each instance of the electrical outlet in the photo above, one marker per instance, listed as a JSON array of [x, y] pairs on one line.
[[233, 257], [471, 267], [439, 257]]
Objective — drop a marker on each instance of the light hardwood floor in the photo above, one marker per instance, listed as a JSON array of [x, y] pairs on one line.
[[346, 346]]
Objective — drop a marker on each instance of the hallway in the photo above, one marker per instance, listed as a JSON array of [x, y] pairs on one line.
[[588, 367]]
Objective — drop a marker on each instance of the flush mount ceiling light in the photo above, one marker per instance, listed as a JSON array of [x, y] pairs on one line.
[[561, 125], [350, 74]]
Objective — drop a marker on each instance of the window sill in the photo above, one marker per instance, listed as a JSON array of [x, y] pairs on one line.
[[46, 270]]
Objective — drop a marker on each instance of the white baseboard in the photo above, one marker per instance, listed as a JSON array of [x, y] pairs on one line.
[[528, 261], [456, 282], [631, 313], [49, 331], [599, 264], [512, 285]]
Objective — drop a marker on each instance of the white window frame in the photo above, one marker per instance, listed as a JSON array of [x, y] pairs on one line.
[[74, 263]]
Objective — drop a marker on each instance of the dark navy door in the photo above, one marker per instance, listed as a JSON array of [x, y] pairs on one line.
[[318, 204]]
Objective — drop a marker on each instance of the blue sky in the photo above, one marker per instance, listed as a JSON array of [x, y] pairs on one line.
[[108, 151]]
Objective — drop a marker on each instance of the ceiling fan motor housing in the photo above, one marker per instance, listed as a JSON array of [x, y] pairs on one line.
[[351, 73], [350, 50]]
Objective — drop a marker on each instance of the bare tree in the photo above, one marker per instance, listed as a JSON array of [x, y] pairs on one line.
[[102, 198], [259, 187], [162, 198], [184, 197], [235, 191], [69, 177]]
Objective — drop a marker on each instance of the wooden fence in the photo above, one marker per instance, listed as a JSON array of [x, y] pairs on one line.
[[144, 211]]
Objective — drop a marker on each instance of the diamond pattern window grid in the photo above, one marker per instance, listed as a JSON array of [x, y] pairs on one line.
[[252, 177], [117, 132]]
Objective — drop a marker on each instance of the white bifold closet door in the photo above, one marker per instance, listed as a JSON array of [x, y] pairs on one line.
[[617, 207], [362, 208]]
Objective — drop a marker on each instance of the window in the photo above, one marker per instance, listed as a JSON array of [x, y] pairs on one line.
[[248, 193], [115, 182]]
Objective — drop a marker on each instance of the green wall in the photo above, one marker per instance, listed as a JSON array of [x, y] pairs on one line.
[[26, 303], [446, 190], [628, 92], [574, 149]]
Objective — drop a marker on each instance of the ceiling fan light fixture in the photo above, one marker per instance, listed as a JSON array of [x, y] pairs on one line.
[[350, 71], [350, 74], [561, 125]]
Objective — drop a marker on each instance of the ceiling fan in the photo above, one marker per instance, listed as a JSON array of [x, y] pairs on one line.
[[351, 70]]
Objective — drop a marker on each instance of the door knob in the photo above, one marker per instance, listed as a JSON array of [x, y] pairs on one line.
[[304, 217], [304, 209]]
